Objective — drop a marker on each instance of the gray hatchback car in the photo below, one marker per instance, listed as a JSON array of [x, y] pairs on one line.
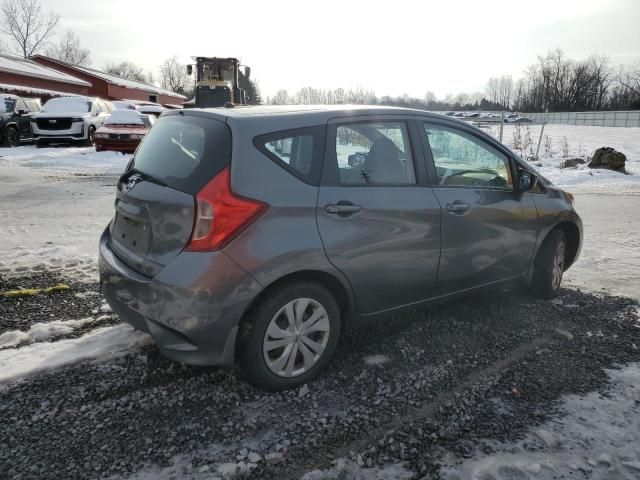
[[252, 236]]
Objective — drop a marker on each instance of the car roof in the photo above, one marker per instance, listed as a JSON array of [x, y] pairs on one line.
[[317, 112]]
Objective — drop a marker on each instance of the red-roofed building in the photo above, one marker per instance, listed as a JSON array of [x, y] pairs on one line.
[[112, 87], [27, 78]]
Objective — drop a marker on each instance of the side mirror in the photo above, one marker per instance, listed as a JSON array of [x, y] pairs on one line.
[[189, 69], [526, 180], [247, 72], [22, 112]]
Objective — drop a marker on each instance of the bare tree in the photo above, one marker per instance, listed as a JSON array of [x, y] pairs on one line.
[[27, 26], [68, 50], [126, 69], [630, 78], [173, 75]]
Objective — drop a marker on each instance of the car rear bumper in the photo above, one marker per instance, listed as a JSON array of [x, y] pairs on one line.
[[126, 146], [192, 309]]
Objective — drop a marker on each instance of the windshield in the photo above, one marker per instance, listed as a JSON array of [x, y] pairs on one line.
[[67, 104], [8, 105], [184, 152]]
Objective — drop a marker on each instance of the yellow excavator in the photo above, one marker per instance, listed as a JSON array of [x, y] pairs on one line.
[[217, 82]]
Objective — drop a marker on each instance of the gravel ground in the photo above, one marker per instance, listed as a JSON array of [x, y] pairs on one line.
[[409, 394], [20, 313]]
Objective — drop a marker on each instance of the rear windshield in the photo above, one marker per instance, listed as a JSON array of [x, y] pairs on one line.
[[184, 151]]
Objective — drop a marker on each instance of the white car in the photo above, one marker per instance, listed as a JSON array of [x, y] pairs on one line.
[[70, 119], [155, 110]]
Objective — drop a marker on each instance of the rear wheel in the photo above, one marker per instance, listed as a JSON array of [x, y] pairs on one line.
[[549, 265], [12, 137], [289, 336]]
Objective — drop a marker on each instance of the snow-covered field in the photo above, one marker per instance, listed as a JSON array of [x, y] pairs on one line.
[[579, 142]]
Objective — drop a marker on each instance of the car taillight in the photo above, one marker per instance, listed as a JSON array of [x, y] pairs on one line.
[[221, 214]]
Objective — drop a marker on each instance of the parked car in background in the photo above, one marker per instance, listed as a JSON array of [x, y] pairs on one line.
[[123, 105], [515, 118], [123, 131], [15, 119], [200, 252], [70, 119], [155, 110]]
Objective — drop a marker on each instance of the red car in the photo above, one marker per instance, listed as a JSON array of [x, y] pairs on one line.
[[123, 131]]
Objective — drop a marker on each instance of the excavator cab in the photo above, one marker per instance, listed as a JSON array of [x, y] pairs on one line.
[[217, 82]]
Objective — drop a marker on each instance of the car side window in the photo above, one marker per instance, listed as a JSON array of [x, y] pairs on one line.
[[32, 105], [374, 153], [299, 151], [20, 105], [462, 160]]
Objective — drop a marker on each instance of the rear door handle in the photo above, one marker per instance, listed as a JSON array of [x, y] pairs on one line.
[[457, 208], [342, 208]]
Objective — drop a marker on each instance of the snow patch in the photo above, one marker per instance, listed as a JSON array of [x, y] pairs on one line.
[[597, 437], [100, 344], [376, 360], [349, 470], [42, 331]]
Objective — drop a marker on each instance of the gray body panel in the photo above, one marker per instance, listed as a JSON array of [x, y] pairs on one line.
[[403, 248], [390, 250], [492, 240]]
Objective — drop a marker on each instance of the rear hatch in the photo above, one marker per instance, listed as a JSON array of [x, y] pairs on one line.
[[155, 202]]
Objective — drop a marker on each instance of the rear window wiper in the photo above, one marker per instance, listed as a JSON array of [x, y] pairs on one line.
[[143, 175]]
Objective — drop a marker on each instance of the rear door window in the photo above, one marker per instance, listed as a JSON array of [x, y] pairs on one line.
[[374, 153], [185, 152], [298, 151]]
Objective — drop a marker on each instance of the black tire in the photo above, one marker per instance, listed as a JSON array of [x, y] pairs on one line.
[[12, 137], [251, 358], [545, 282], [90, 136]]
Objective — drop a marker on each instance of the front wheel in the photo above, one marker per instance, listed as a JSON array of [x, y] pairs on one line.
[[549, 265], [289, 336], [12, 137]]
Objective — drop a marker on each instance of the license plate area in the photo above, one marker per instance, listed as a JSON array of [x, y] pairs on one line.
[[132, 232]]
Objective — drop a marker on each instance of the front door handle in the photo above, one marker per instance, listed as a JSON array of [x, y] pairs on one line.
[[457, 208], [343, 208]]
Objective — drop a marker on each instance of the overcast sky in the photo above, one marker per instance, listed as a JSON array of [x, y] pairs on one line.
[[391, 46]]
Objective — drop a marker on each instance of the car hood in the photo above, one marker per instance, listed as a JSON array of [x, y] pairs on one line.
[[62, 115]]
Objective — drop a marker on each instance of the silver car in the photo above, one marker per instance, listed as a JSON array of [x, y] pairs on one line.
[[252, 236]]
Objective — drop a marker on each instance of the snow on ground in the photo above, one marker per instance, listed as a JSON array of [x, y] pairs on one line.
[[346, 469], [581, 141], [64, 160], [42, 331], [597, 436], [54, 203], [99, 344], [376, 360]]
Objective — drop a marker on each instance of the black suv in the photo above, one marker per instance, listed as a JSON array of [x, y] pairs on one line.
[[15, 125]]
